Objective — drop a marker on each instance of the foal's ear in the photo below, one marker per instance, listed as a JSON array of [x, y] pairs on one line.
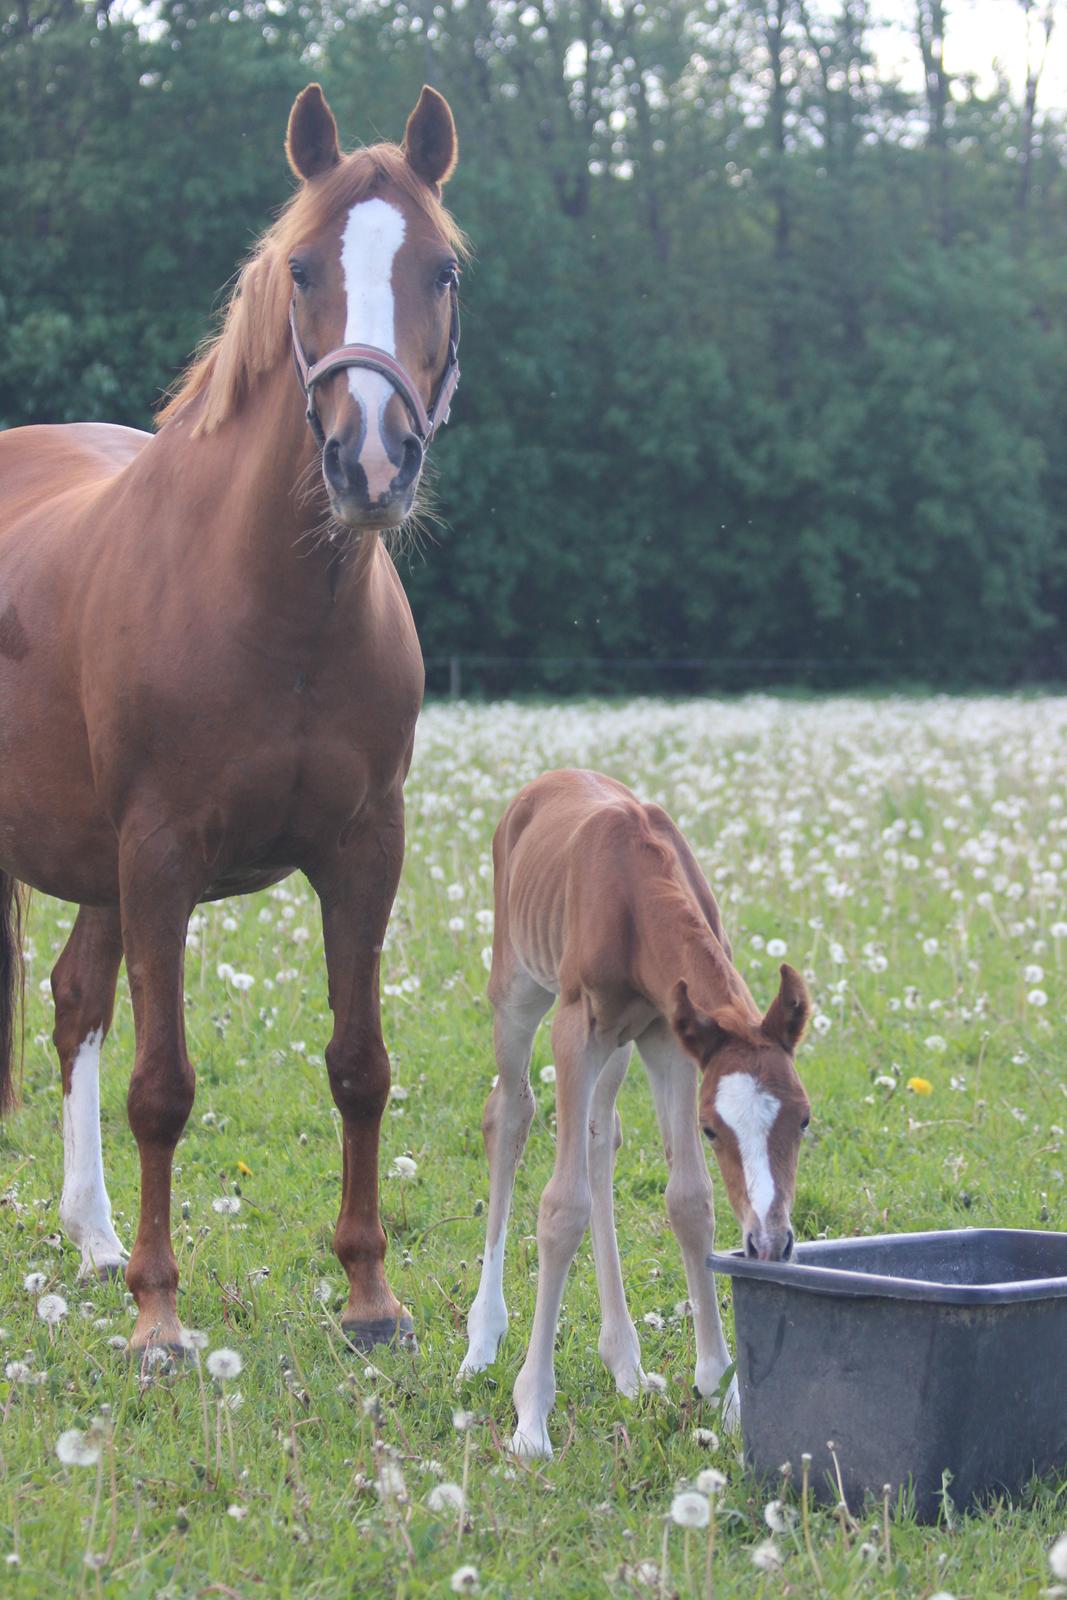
[[789, 1010], [697, 1031], [311, 141], [430, 139]]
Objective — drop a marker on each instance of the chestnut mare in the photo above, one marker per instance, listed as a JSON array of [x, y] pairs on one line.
[[600, 900], [209, 674]]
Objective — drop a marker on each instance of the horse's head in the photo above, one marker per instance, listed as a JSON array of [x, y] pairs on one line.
[[374, 303], [753, 1108]]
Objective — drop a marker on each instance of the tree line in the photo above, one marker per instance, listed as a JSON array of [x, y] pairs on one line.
[[764, 354]]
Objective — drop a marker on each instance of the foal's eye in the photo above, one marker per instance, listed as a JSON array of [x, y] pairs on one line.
[[805, 1125], [300, 277], [709, 1134]]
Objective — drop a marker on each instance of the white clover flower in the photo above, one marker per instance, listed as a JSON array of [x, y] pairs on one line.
[[227, 1205], [34, 1282], [51, 1308], [711, 1481], [778, 1516], [547, 1074], [403, 1167], [76, 1449], [464, 1580], [776, 947], [1057, 1557], [224, 1364], [446, 1497], [1037, 997], [690, 1510]]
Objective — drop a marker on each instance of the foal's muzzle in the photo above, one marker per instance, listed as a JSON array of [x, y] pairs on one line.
[[769, 1244]]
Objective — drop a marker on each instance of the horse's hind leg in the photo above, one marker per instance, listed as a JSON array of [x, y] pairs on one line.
[[83, 984], [618, 1347], [518, 1007]]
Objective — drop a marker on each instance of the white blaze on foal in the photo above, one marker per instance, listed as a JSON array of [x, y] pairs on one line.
[[373, 234], [84, 1209], [750, 1112]]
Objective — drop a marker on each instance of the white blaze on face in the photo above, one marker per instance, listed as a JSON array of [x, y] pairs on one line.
[[84, 1209], [749, 1111], [373, 234]]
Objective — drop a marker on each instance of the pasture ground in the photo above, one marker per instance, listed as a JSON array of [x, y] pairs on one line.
[[909, 854]]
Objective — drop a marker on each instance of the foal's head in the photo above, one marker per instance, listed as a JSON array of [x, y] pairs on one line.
[[375, 264], [753, 1108]]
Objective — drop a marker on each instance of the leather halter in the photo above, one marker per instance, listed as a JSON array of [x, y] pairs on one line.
[[425, 423]]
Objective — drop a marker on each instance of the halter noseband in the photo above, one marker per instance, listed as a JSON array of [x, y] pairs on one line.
[[425, 423]]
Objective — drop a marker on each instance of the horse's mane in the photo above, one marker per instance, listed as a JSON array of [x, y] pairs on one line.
[[255, 325]]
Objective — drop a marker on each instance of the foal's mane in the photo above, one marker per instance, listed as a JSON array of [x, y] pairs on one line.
[[255, 326]]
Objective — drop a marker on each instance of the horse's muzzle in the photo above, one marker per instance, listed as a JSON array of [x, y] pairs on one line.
[[354, 500]]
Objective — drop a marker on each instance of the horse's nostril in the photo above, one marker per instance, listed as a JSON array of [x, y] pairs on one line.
[[789, 1243], [331, 460], [750, 1246], [410, 461]]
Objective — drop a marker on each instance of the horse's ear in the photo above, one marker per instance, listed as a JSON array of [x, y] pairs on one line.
[[789, 1010], [311, 141], [697, 1031], [430, 139]]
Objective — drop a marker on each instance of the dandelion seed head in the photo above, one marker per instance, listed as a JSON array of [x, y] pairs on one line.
[[690, 1510], [76, 1449], [224, 1364], [52, 1308]]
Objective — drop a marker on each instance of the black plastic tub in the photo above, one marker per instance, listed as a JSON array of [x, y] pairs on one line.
[[918, 1354]]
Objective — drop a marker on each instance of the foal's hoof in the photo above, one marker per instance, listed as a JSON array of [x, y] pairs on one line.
[[363, 1336]]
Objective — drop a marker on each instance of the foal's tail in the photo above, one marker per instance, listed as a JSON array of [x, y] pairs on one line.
[[11, 982]]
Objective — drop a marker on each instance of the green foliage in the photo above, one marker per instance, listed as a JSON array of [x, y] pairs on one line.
[[764, 358]]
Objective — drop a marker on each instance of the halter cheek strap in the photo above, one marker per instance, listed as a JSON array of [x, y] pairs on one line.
[[425, 423]]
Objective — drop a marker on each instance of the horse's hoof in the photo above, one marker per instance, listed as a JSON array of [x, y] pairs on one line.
[[363, 1336]]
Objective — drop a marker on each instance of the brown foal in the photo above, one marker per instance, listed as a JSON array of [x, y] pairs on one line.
[[600, 900], [209, 674]]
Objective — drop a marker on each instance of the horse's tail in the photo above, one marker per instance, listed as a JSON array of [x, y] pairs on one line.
[[11, 982]]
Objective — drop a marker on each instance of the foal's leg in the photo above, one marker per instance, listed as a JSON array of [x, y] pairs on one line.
[[690, 1203], [618, 1346], [566, 1206], [83, 983], [157, 896], [505, 1125], [356, 885]]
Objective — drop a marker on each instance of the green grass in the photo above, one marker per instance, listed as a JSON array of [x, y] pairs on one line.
[[787, 806]]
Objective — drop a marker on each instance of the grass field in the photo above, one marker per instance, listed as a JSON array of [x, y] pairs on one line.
[[910, 857]]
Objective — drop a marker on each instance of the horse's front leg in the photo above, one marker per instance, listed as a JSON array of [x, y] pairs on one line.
[[356, 886], [157, 896]]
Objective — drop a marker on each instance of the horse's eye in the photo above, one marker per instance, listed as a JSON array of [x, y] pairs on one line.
[[448, 276], [709, 1134], [805, 1124], [300, 277]]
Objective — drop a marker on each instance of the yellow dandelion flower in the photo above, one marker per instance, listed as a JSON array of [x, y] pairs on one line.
[[246, 1172], [920, 1086]]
